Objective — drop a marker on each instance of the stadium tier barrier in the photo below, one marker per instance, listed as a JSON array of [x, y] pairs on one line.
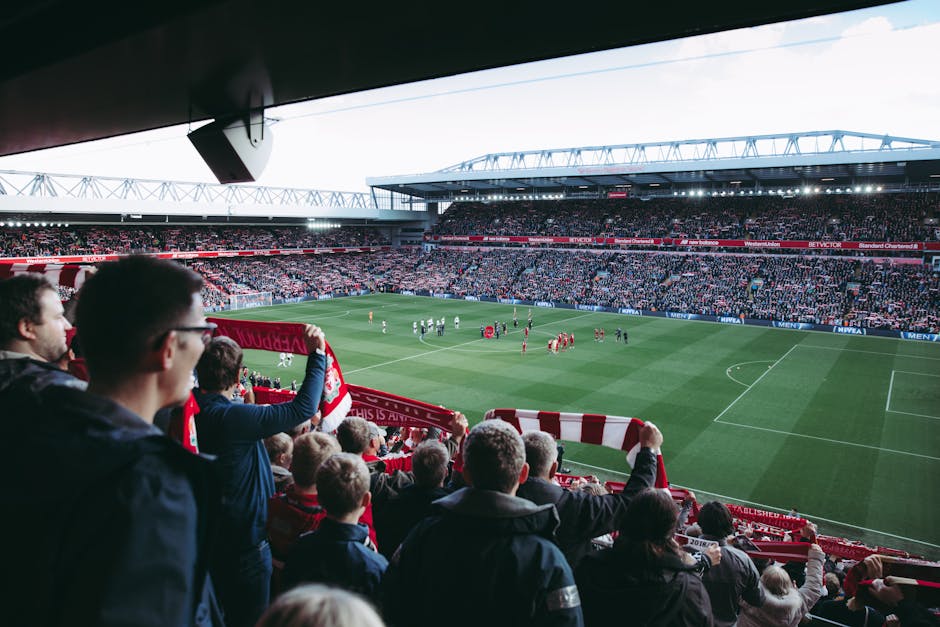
[[628, 311]]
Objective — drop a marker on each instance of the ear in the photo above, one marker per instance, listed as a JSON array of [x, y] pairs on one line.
[[25, 328], [553, 469], [366, 500], [162, 356], [524, 473]]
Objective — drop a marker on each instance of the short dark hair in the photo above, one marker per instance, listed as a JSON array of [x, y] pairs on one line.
[[429, 464], [493, 456], [19, 300], [126, 305], [354, 434], [219, 365], [647, 529], [342, 481], [715, 519], [310, 451]]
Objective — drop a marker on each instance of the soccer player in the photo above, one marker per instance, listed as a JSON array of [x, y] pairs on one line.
[[456, 322], [571, 339], [523, 346], [624, 336], [618, 333], [384, 326], [526, 332], [602, 334], [370, 317], [597, 334], [282, 361], [414, 328]]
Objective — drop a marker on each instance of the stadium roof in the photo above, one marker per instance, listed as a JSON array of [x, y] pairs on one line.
[[77, 71], [831, 159]]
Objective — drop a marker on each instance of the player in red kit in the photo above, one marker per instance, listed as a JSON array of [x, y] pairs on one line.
[[602, 334], [523, 346], [526, 331], [597, 334]]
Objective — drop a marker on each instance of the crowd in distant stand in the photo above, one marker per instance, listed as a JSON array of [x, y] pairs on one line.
[[880, 217], [795, 288], [126, 239]]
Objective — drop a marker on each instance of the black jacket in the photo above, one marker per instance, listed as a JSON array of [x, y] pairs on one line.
[[395, 517], [119, 534], [484, 558], [614, 591], [585, 516], [37, 375]]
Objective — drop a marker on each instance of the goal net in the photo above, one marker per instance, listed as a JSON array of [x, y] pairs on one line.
[[253, 299]]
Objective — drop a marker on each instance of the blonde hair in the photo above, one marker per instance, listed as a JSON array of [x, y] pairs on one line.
[[320, 606], [776, 581]]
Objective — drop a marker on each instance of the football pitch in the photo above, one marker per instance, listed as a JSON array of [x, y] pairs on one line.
[[844, 428]]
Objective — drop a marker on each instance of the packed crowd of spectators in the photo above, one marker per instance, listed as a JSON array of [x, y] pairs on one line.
[[339, 521], [881, 217], [793, 288], [126, 239]]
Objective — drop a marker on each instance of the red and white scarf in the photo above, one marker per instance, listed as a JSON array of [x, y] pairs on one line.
[[612, 431]]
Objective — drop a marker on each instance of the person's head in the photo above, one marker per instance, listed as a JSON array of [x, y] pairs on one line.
[[648, 526], [715, 520], [32, 319], [315, 605], [219, 365], [343, 485], [831, 581], [280, 447], [429, 464], [494, 457], [143, 316], [310, 451], [541, 453], [376, 439], [298, 430], [776, 581], [353, 434]]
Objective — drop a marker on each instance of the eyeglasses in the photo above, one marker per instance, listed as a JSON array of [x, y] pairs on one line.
[[207, 330]]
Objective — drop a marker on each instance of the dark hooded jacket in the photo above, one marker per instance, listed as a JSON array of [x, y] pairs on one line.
[[617, 590], [15, 367], [482, 558], [119, 533]]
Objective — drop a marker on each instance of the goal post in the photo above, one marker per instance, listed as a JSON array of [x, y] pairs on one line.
[[252, 299]]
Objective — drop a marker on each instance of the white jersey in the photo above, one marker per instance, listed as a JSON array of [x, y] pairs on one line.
[[283, 360], [456, 322], [414, 327]]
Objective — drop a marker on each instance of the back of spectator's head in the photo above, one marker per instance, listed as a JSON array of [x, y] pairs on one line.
[[831, 581], [219, 365], [130, 307], [354, 434], [541, 452], [715, 520], [319, 606], [776, 581], [31, 317], [648, 527], [494, 457], [429, 464], [342, 482], [278, 446], [310, 451]]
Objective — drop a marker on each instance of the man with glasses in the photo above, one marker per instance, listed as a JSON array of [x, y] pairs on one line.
[[235, 433], [121, 534]]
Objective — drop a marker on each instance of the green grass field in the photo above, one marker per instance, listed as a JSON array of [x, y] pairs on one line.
[[846, 429]]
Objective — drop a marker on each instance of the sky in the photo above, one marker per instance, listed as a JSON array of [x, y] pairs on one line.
[[870, 71]]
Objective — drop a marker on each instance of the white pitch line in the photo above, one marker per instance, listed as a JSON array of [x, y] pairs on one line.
[[890, 388], [740, 396], [844, 443], [856, 350], [770, 507], [907, 413], [744, 363]]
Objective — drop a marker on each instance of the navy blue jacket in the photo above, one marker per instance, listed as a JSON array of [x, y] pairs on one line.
[[483, 558], [120, 532], [585, 516], [337, 554], [234, 432]]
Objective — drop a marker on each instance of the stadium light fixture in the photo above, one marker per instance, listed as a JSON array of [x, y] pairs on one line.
[[828, 178], [858, 188], [878, 189], [868, 188], [19, 224]]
